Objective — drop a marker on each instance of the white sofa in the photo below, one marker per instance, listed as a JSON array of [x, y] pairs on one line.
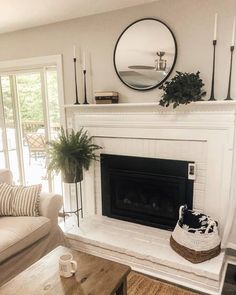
[[25, 239]]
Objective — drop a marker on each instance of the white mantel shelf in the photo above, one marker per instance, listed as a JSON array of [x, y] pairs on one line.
[[205, 102], [220, 105], [92, 105]]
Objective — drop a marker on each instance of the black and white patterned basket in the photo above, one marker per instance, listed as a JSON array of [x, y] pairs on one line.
[[195, 236]]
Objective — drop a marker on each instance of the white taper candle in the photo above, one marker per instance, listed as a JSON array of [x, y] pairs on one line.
[[233, 34], [215, 26], [74, 51], [84, 61]]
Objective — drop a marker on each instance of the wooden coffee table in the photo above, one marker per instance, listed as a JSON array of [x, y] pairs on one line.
[[94, 276]]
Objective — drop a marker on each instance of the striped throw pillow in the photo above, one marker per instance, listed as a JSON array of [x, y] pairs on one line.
[[5, 199], [25, 200]]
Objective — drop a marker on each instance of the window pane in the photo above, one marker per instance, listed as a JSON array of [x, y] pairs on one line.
[[30, 101], [10, 127], [2, 158], [54, 116], [53, 103], [32, 124]]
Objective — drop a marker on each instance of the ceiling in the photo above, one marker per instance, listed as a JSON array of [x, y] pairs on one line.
[[16, 15]]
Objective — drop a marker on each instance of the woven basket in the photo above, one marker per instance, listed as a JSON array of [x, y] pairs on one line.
[[194, 256], [196, 247]]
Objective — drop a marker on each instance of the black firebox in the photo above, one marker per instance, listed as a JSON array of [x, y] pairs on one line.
[[145, 190]]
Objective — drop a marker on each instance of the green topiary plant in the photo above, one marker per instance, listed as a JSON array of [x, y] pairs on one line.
[[182, 89], [70, 153]]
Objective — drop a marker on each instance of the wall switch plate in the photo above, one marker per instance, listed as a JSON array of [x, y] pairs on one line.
[[192, 171]]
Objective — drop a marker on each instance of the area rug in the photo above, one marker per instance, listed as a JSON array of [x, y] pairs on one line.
[[142, 285]]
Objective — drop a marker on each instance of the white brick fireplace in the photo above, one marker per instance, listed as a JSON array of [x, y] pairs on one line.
[[201, 132]]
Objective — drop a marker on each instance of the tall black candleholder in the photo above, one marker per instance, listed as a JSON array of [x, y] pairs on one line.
[[76, 89], [212, 96], [85, 90], [230, 73]]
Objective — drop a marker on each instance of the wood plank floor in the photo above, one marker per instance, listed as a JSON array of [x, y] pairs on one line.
[[139, 284]]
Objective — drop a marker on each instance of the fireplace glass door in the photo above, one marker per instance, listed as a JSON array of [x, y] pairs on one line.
[[144, 190]]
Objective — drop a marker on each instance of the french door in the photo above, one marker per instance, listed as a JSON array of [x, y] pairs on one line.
[[29, 118]]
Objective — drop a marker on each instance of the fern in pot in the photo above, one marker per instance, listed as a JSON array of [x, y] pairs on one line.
[[70, 153], [182, 89]]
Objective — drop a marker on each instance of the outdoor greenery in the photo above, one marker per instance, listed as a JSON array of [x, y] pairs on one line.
[[70, 153], [30, 97], [182, 89], [30, 100]]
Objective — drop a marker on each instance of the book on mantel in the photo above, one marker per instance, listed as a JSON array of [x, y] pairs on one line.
[[106, 93], [106, 97]]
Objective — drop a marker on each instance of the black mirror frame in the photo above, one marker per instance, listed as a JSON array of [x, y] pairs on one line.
[[174, 62]]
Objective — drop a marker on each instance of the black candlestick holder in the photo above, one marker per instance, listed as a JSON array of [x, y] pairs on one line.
[[85, 90], [230, 73], [76, 88], [212, 96]]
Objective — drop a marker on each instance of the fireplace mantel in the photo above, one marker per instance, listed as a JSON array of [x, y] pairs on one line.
[[218, 115], [202, 132]]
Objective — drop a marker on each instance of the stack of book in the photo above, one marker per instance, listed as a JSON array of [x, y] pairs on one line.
[[106, 97]]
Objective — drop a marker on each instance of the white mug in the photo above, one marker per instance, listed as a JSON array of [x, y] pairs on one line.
[[67, 266]]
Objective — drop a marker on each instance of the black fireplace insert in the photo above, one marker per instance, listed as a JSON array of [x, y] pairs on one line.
[[145, 190]]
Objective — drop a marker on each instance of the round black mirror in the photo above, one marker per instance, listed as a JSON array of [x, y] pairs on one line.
[[145, 54]]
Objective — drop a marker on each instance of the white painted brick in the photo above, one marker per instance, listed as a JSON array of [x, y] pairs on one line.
[[164, 149]]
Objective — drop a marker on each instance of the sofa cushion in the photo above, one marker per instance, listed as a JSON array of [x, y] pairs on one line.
[[19, 200], [5, 199], [25, 200], [20, 232]]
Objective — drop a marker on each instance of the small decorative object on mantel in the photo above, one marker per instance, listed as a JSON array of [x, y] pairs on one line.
[[212, 96], [231, 62], [106, 97], [75, 73], [182, 89], [195, 236]]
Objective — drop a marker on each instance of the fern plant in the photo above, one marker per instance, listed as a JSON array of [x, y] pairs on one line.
[[70, 153], [182, 89]]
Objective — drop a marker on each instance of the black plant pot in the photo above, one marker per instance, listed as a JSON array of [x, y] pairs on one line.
[[73, 177]]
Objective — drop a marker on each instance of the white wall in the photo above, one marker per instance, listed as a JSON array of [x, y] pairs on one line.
[[191, 21]]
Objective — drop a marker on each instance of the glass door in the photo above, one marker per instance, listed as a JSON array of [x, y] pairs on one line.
[[30, 118], [9, 148]]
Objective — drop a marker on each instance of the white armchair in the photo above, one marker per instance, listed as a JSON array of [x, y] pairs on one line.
[[49, 206], [26, 239]]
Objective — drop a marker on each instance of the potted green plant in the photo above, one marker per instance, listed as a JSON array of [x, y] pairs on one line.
[[182, 89], [70, 153]]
